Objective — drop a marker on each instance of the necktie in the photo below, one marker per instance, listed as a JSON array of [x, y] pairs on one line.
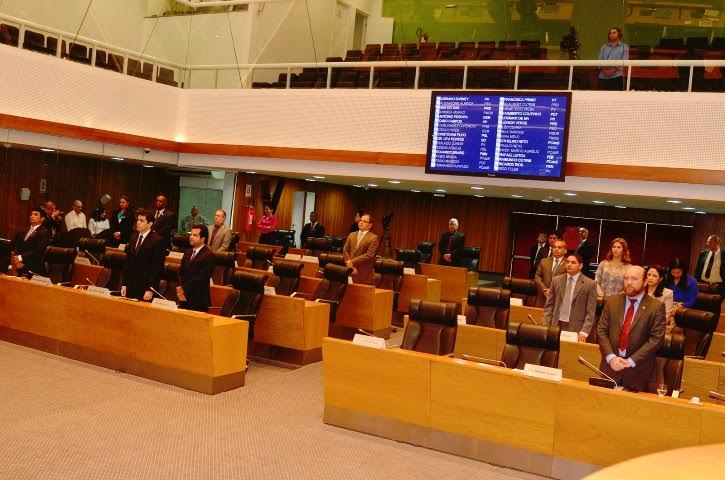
[[624, 337], [214, 232], [450, 241], [158, 214], [193, 254], [710, 263], [359, 238], [550, 252], [139, 242], [30, 232], [566, 305], [556, 265]]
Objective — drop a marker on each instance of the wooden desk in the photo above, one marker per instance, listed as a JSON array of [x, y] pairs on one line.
[[192, 350], [366, 307], [418, 286], [717, 347], [455, 281], [520, 314], [559, 429], [287, 329]]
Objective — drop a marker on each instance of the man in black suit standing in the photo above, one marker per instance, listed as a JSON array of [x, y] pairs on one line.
[[711, 265], [587, 250], [313, 229], [145, 253], [164, 221], [451, 244], [196, 269], [534, 253], [29, 245]]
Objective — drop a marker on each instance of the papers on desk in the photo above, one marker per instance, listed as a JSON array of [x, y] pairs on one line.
[[310, 258], [82, 261], [165, 304], [368, 341], [516, 302], [40, 280], [178, 255], [408, 271], [569, 336], [461, 319], [538, 371], [269, 290]]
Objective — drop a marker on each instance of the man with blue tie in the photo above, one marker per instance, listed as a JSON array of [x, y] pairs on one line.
[[572, 299], [631, 330], [196, 269]]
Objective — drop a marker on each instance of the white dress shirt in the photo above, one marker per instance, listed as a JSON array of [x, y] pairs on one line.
[[75, 220]]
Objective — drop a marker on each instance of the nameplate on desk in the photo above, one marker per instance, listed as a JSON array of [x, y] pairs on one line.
[[269, 290], [271, 269], [165, 304], [82, 261], [516, 302], [349, 280], [292, 256], [569, 336], [178, 255], [538, 371], [40, 280], [310, 258], [122, 246], [368, 341], [98, 291], [461, 319], [408, 271]]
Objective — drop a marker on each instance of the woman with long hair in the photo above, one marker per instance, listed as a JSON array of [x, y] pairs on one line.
[[683, 285], [610, 273], [655, 286]]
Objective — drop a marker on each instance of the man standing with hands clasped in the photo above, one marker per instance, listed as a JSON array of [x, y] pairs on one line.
[[196, 269], [360, 250], [631, 330], [145, 254]]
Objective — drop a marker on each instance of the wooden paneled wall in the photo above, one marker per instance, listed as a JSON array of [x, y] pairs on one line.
[[71, 177], [486, 222]]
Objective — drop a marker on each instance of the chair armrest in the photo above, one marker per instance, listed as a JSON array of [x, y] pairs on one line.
[[239, 317], [322, 300], [696, 357], [304, 296]]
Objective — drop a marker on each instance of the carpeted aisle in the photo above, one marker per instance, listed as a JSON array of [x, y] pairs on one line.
[[62, 419]]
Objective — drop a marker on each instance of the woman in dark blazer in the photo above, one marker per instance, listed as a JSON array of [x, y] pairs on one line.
[[122, 221]]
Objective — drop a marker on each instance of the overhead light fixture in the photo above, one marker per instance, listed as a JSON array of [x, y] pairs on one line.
[[148, 166], [119, 159], [372, 184], [451, 5], [478, 195], [599, 202], [438, 195], [251, 172], [546, 200], [571, 194], [47, 149], [414, 190], [358, 186], [688, 208], [476, 187], [310, 180], [620, 206], [516, 195], [394, 181], [700, 212], [319, 177], [674, 201], [441, 190]]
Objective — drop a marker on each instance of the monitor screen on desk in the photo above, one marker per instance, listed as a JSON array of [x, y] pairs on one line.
[[499, 134]]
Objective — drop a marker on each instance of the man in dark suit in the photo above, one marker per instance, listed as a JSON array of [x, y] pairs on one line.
[[587, 250], [549, 268], [29, 245], [164, 221], [711, 265], [196, 269], [534, 252], [360, 250], [145, 253], [547, 251], [313, 229], [354, 227], [451, 244], [631, 330], [572, 299]]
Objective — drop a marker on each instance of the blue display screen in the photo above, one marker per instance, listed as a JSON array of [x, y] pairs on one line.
[[522, 135]]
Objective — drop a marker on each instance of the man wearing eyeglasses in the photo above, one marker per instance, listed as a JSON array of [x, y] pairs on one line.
[[360, 250]]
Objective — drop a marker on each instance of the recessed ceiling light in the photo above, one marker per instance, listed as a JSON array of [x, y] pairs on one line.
[[688, 208], [451, 5], [372, 184], [394, 181], [320, 177], [674, 201], [546, 200], [358, 186], [478, 195], [475, 187], [120, 159], [148, 166], [47, 150], [310, 180], [438, 195], [620, 206], [441, 190], [700, 212], [251, 172], [571, 194], [414, 190], [516, 195], [599, 202]]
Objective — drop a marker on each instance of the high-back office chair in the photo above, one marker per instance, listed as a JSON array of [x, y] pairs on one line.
[[331, 258], [670, 362], [531, 343], [71, 238], [259, 258], [410, 257], [426, 249], [286, 277], [224, 263], [286, 238], [388, 275], [111, 276], [59, 263], [703, 287], [169, 281], [523, 288], [96, 247], [331, 289], [697, 326], [338, 243], [245, 300], [468, 258], [432, 327], [180, 242], [710, 302], [317, 246], [593, 338], [5, 250], [234, 242], [488, 307]]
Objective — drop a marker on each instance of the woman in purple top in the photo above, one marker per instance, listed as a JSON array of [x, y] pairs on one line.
[[683, 285]]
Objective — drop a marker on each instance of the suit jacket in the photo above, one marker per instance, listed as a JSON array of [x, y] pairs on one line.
[[194, 279], [543, 277], [124, 226], [587, 251], [144, 266], [33, 249], [222, 240], [362, 255], [583, 304], [700, 269], [308, 231], [457, 243], [165, 226], [535, 256], [645, 338]]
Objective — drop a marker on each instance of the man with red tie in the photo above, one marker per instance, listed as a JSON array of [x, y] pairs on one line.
[[631, 330], [451, 244], [196, 269]]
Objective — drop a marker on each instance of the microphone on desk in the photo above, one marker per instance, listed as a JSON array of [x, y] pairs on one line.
[[532, 319], [360, 330], [271, 264], [91, 282], [487, 361], [716, 395], [157, 293], [94, 258], [602, 375]]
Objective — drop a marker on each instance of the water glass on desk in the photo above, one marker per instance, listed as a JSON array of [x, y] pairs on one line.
[[661, 390]]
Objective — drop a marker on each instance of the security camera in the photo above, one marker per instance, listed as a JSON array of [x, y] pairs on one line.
[[146, 150]]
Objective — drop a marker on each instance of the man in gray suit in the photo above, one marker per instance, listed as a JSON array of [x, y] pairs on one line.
[[631, 330], [219, 236], [572, 299], [549, 268]]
